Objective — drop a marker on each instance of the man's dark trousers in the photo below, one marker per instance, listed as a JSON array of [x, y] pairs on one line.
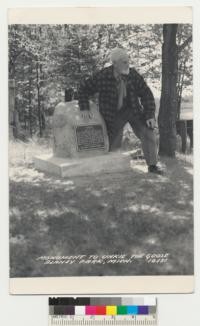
[[145, 134]]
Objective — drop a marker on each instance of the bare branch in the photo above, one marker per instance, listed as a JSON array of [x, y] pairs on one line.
[[185, 43]]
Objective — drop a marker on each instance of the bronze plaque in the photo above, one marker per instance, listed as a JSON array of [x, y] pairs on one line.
[[90, 137]]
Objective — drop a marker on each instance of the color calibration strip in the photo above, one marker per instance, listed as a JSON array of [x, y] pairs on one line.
[[102, 306], [96, 311]]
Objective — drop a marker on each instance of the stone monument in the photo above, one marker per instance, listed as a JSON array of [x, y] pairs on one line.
[[75, 137], [80, 147]]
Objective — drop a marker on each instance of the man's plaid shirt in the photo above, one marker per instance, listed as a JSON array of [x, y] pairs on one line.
[[139, 96]]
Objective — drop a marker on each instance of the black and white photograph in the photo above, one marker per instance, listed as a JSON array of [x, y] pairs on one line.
[[100, 150]]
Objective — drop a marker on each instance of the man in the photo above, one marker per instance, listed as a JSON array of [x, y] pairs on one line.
[[123, 97]]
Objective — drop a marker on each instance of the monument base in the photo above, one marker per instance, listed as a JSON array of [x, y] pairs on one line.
[[64, 167]]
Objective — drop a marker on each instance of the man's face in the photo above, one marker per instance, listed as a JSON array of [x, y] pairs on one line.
[[122, 65]]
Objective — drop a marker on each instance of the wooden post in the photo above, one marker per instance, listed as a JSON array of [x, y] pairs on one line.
[[183, 134]]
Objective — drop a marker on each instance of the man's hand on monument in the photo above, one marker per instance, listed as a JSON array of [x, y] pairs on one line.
[[86, 115], [151, 123]]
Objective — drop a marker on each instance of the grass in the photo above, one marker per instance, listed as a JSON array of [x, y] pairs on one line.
[[117, 213]]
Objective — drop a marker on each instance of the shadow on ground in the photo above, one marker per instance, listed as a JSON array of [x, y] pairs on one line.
[[118, 213]]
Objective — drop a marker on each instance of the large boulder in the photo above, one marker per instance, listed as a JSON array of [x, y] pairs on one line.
[[73, 136]]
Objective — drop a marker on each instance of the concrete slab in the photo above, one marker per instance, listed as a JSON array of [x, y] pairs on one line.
[[63, 167]]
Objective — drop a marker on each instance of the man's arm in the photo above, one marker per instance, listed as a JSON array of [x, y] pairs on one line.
[[87, 88], [145, 95]]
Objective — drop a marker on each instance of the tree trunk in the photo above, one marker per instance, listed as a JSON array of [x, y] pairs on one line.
[[180, 89], [11, 107], [168, 101], [30, 100], [14, 124], [38, 98]]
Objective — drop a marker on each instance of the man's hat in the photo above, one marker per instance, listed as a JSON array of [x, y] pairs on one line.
[[118, 53]]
